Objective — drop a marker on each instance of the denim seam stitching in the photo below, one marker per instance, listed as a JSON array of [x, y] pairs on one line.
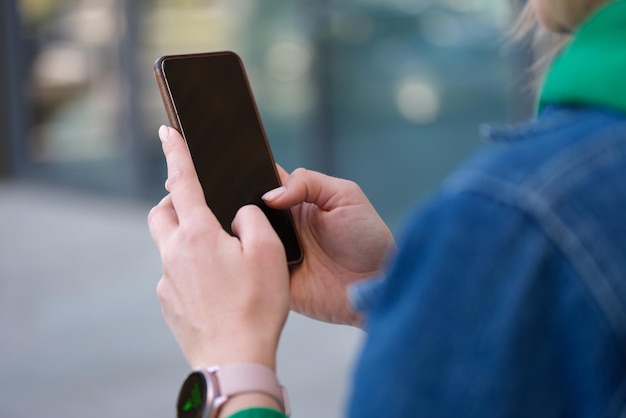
[[578, 162], [609, 146], [558, 232]]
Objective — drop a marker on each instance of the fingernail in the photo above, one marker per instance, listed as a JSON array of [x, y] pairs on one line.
[[274, 194], [164, 133]]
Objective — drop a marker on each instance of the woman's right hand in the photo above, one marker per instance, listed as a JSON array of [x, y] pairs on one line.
[[344, 240]]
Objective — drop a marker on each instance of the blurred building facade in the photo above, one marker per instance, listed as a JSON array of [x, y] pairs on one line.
[[388, 93]]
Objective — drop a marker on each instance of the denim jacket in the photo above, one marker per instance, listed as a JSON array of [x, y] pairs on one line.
[[507, 297]]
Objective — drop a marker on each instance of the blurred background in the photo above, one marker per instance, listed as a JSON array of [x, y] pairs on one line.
[[388, 93]]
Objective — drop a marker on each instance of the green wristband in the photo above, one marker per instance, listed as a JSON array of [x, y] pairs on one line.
[[258, 413]]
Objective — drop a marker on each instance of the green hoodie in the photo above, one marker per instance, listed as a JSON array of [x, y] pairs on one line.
[[591, 70]]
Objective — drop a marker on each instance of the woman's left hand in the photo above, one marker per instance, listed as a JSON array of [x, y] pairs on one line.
[[225, 298]]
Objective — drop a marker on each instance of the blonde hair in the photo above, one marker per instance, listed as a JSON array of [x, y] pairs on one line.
[[543, 44], [546, 44]]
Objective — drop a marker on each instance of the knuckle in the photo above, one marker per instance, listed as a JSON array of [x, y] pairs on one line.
[[264, 241], [188, 234], [352, 186], [243, 212], [161, 289], [300, 180], [152, 214], [173, 179], [192, 233], [300, 172], [248, 210]]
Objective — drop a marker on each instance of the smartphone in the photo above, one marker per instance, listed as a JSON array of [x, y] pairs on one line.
[[208, 99]]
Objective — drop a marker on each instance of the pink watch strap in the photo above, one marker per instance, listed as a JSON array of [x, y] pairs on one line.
[[235, 379]]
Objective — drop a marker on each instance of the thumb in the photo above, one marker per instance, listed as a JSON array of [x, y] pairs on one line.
[[256, 234], [303, 185]]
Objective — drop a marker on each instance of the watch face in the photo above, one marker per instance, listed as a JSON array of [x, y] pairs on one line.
[[192, 397]]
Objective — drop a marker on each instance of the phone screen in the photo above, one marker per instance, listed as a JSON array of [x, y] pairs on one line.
[[210, 102]]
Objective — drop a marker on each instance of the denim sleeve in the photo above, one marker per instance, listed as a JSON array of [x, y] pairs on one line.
[[482, 316]]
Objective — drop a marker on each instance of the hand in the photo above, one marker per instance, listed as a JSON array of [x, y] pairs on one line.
[[343, 239], [226, 299]]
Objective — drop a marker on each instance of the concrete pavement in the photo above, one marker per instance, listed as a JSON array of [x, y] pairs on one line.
[[81, 333]]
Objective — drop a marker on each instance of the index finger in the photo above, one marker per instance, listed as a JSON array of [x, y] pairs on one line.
[[182, 180], [309, 186]]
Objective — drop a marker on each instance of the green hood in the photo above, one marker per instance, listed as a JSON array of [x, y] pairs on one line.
[[591, 70]]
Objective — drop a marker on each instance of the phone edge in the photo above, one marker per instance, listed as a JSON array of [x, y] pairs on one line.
[[164, 90], [269, 151]]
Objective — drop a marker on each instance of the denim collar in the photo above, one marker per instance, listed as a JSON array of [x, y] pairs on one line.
[[591, 70], [551, 118]]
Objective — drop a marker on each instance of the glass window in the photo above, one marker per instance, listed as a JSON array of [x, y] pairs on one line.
[[75, 92], [388, 93]]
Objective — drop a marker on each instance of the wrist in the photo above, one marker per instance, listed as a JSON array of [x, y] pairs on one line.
[[235, 353], [234, 347]]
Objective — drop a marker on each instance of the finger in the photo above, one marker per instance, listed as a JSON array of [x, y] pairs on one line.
[[162, 220], [182, 181], [257, 235], [303, 185]]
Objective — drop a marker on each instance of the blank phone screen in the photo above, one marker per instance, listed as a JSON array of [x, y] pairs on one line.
[[219, 120]]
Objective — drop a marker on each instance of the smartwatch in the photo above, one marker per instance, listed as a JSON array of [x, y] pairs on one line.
[[205, 391]]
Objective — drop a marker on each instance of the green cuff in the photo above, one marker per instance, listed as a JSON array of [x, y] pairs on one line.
[[258, 413]]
